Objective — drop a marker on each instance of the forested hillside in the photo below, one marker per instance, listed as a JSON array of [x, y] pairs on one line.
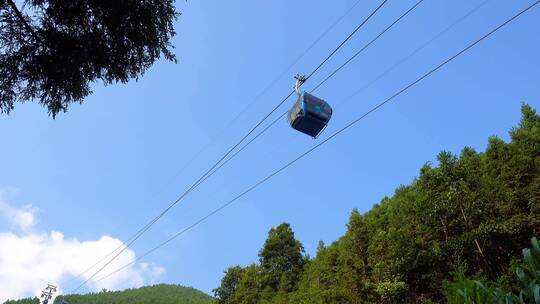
[[157, 294], [23, 301], [469, 215]]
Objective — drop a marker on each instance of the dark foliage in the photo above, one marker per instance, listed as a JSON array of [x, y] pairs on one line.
[[229, 284], [525, 287], [471, 214], [52, 50]]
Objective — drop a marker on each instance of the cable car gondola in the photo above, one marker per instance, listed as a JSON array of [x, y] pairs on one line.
[[309, 114]]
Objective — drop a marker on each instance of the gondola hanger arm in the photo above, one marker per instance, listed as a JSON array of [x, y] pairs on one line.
[[300, 79]]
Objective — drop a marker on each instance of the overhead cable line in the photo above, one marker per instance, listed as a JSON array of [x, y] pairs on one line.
[[210, 170], [287, 70], [439, 34], [417, 50], [230, 123], [333, 135], [108, 255], [269, 86], [367, 45]]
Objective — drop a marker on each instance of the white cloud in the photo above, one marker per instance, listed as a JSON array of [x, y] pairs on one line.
[[30, 260], [23, 218]]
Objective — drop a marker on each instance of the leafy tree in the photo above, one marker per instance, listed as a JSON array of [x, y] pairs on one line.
[[281, 259], [51, 51], [250, 287], [468, 291], [281, 263], [229, 284], [330, 278]]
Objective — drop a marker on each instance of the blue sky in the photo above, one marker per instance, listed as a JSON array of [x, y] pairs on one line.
[[111, 164]]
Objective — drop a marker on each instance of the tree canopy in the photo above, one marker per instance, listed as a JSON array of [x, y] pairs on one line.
[[281, 263], [51, 51], [468, 216]]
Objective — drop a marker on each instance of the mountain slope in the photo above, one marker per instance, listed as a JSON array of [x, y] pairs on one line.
[[157, 294]]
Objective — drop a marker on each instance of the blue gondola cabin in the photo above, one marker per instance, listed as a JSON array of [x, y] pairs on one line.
[[309, 114]]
